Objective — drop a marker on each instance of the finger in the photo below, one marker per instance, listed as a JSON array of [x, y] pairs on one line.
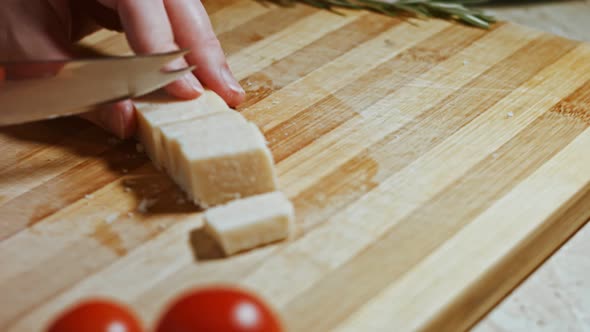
[[32, 34], [118, 118], [148, 30], [105, 16], [192, 30]]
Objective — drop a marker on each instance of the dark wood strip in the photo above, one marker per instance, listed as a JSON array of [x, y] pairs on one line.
[[59, 192], [302, 62], [213, 6], [515, 161], [18, 143], [262, 27], [330, 112]]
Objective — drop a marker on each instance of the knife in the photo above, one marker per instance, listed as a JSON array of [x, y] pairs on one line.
[[77, 86]]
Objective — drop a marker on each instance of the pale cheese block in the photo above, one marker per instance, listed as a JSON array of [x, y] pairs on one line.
[[155, 111], [224, 159], [251, 222], [190, 131]]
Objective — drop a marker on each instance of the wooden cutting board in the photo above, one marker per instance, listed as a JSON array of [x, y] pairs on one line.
[[432, 166]]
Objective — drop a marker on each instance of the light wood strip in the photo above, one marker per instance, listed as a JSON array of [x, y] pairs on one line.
[[410, 188], [548, 190], [283, 104], [281, 44], [264, 26], [230, 17], [313, 56]]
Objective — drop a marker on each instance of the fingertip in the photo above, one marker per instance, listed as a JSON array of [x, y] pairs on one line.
[[118, 118], [234, 98], [188, 87], [127, 119]]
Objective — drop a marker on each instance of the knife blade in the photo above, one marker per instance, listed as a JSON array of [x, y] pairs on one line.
[[80, 85]]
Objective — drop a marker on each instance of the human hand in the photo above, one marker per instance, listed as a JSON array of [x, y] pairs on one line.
[[45, 29]]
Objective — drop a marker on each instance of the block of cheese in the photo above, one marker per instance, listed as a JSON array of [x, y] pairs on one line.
[[189, 132], [250, 222], [223, 158], [156, 111]]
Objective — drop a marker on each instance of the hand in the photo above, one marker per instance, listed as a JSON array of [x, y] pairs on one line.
[[45, 29]]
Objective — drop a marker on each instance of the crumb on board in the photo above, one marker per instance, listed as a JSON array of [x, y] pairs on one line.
[[111, 218], [145, 204], [510, 114], [130, 214], [139, 147], [465, 62], [88, 196], [127, 189]]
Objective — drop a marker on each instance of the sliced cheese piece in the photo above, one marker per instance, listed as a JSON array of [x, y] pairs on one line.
[[156, 111], [225, 159], [251, 222], [190, 132]]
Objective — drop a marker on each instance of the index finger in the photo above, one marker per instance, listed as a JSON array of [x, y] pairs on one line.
[[148, 30], [193, 30]]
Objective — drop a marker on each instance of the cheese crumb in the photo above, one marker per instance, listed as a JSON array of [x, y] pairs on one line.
[[510, 114], [88, 196], [465, 62], [111, 218], [145, 204]]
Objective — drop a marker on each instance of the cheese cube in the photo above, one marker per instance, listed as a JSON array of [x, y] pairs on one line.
[[156, 111], [251, 222], [225, 159], [190, 132]]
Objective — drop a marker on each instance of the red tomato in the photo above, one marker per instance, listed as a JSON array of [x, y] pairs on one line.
[[218, 309], [96, 316]]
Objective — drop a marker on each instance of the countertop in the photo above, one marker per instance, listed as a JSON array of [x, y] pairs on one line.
[[557, 296]]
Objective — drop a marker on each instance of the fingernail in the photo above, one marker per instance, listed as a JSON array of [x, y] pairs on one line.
[[231, 81], [194, 83]]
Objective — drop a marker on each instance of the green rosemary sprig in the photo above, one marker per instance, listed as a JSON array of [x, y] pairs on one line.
[[449, 9]]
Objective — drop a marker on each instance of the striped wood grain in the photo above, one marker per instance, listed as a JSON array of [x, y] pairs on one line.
[[432, 167]]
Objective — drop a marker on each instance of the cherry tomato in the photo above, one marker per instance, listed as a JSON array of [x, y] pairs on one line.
[[96, 316], [218, 309]]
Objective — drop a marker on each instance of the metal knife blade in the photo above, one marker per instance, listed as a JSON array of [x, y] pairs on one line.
[[80, 85]]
